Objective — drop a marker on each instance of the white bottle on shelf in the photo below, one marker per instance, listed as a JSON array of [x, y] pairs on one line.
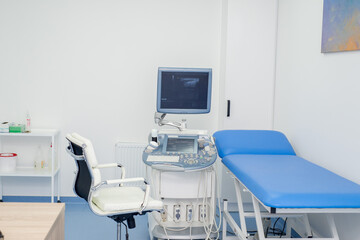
[[28, 122], [39, 160]]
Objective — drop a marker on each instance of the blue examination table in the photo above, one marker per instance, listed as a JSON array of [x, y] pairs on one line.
[[265, 164]]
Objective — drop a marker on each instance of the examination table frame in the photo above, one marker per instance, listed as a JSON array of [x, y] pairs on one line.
[[291, 213]]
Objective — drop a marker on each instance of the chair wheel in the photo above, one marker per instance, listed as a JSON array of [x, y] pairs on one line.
[[58, 201]]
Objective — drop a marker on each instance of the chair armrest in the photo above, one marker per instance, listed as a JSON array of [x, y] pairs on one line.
[[118, 181], [109, 165], [146, 197], [127, 180]]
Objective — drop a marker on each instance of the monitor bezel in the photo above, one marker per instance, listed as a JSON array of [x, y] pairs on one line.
[[177, 110]]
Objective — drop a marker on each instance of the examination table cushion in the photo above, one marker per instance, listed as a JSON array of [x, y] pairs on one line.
[[265, 162], [252, 142], [287, 181]]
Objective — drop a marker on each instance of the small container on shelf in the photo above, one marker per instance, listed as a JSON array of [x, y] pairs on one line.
[[8, 162], [17, 128], [48, 162], [4, 127], [39, 160], [28, 123]]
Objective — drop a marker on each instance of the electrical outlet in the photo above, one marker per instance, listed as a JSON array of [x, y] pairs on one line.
[[189, 213], [202, 213], [177, 214], [164, 214]]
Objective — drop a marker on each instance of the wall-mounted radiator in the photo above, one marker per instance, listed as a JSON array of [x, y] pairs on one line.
[[130, 156]]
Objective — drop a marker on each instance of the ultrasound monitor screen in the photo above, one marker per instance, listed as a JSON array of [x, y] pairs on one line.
[[182, 145], [184, 90]]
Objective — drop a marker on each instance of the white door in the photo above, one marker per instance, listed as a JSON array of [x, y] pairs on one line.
[[249, 49]]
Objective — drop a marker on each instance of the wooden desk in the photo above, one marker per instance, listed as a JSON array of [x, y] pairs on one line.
[[43, 221]]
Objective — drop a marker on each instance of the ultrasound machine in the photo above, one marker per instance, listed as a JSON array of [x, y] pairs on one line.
[[180, 161]]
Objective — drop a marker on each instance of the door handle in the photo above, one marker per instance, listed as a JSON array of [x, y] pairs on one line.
[[228, 108]]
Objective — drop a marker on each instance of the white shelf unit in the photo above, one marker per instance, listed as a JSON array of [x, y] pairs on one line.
[[29, 171]]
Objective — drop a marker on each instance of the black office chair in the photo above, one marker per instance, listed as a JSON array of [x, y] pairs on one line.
[[119, 202]]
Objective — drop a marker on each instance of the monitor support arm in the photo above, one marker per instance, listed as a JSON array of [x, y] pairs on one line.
[[160, 120]]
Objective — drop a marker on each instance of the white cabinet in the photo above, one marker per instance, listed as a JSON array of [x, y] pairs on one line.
[[25, 145]]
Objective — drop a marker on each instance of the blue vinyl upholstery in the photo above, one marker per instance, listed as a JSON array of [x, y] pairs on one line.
[[277, 177], [252, 142]]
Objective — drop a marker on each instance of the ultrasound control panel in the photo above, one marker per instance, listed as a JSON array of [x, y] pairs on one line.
[[180, 152]]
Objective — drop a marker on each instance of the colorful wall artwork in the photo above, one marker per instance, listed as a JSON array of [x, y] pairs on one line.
[[341, 26]]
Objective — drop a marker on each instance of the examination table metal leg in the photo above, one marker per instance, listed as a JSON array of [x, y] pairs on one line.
[[228, 220], [240, 206]]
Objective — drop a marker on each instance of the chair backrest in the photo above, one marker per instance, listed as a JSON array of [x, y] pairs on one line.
[[83, 153]]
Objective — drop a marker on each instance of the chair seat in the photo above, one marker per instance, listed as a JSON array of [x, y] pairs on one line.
[[123, 199]]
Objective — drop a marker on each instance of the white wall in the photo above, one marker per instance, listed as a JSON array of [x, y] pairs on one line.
[[91, 67], [317, 97]]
